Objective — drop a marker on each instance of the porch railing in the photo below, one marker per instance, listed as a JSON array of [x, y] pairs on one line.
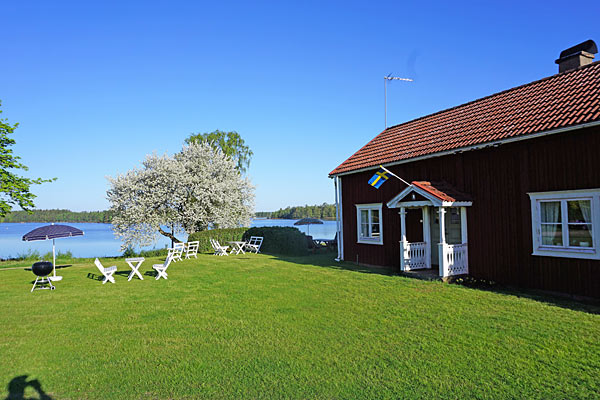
[[414, 256], [455, 259]]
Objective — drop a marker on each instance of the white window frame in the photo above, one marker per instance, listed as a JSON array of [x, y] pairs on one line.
[[369, 240], [565, 251]]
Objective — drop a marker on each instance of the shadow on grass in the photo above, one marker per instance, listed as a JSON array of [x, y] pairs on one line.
[[562, 300], [327, 260], [152, 273], [95, 277], [16, 389]]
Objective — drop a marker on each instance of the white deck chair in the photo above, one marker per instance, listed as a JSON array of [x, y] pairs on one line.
[[191, 249], [107, 272], [177, 251], [254, 244], [161, 269], [219, 250]]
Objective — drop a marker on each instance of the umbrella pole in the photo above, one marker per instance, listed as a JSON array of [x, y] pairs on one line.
[[53, 257]]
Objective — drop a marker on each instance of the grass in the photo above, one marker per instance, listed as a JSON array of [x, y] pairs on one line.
[[258, 326]]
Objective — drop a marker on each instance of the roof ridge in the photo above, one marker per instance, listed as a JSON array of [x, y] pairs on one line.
[[561, 100]]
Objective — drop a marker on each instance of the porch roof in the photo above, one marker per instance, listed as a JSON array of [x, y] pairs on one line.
[[437, 193]]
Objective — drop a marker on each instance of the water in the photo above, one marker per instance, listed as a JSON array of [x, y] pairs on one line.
[[99, 240], [324, 231]]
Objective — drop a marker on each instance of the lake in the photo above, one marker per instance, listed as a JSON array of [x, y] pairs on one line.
[[99, 240]]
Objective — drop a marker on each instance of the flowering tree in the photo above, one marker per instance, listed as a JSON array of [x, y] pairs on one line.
[[198, 188]]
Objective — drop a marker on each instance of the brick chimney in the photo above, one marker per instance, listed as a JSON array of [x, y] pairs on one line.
[[577, 56]]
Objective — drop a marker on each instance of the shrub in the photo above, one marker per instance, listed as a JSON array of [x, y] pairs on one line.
[[130, 252], [280, 240], [153, 253], [221, 235], [28, 255]]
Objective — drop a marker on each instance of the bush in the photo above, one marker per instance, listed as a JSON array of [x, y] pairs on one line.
[[280, 240], [221, 235], [154, 253], [28, 255], [60, 255], [130, 252]]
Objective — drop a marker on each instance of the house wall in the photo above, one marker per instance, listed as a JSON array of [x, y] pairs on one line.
[[499, 222]]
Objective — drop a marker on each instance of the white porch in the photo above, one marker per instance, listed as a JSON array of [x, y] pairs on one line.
[[443, 213]]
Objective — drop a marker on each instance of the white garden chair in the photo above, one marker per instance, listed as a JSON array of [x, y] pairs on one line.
[[161, 269], [107, 272], [191, 249], [219, 250], [176, 251], [254, 244]]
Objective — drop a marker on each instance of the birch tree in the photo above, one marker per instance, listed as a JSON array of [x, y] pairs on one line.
[[197, 188]]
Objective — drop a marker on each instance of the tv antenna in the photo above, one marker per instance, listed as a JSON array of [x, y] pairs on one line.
[[385, 81]]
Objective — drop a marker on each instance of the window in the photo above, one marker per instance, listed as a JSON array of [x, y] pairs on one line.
[[566, 224], [369, 223]]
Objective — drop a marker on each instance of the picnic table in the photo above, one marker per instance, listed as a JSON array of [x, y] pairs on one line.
[[135, 264], [237, 247]]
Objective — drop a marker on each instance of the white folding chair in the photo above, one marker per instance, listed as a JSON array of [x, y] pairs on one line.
[[177, 251], [161, 269], [191, 249], [219, 250], [254, 244], [107, 272]]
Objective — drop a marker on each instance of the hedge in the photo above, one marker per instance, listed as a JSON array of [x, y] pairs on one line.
[[130, 252], [221, 235], [280, 240]]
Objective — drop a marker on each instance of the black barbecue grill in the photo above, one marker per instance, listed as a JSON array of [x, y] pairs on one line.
[[42, 269]]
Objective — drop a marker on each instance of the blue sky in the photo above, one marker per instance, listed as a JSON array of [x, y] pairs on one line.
[[96, 86]]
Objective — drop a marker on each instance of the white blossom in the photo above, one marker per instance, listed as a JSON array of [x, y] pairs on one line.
[[196, 189]]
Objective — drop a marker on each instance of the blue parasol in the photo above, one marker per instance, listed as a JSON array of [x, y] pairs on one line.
[[52, 232]]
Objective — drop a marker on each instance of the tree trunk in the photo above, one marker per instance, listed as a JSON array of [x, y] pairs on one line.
[[169, 235]]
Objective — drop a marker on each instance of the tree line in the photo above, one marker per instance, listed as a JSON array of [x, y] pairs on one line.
[[323, 211], [58, 216]]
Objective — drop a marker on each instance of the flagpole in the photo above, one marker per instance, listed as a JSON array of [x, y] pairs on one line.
[[393, 174]]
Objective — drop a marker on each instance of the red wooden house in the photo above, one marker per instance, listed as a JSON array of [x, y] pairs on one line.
[[504, 188]]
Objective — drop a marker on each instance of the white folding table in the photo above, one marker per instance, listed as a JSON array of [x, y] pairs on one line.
[[237, 247], [135, 264]]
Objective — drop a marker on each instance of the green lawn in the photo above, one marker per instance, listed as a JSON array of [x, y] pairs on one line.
[[257, 326]]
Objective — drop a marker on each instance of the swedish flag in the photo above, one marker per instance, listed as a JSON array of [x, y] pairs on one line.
[[379, 178]]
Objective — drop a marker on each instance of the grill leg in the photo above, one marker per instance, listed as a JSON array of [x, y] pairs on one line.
[[34, 283]]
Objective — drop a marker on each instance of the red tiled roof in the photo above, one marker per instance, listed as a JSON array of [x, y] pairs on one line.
[[442, 191], [567, 99]]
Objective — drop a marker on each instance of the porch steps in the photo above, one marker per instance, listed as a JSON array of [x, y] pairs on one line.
[[431, 274]]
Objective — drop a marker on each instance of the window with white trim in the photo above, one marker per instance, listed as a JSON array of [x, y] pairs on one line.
[[566, 223], [369, 223]]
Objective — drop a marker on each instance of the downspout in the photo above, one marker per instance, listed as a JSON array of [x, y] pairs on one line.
[[338, 216]]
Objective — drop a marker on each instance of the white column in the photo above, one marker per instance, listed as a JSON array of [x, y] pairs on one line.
[[463, 224], [427, 235], [441, 255], [403, 224], [402, 237], [339, 219], [463, 235], [442, 214]]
